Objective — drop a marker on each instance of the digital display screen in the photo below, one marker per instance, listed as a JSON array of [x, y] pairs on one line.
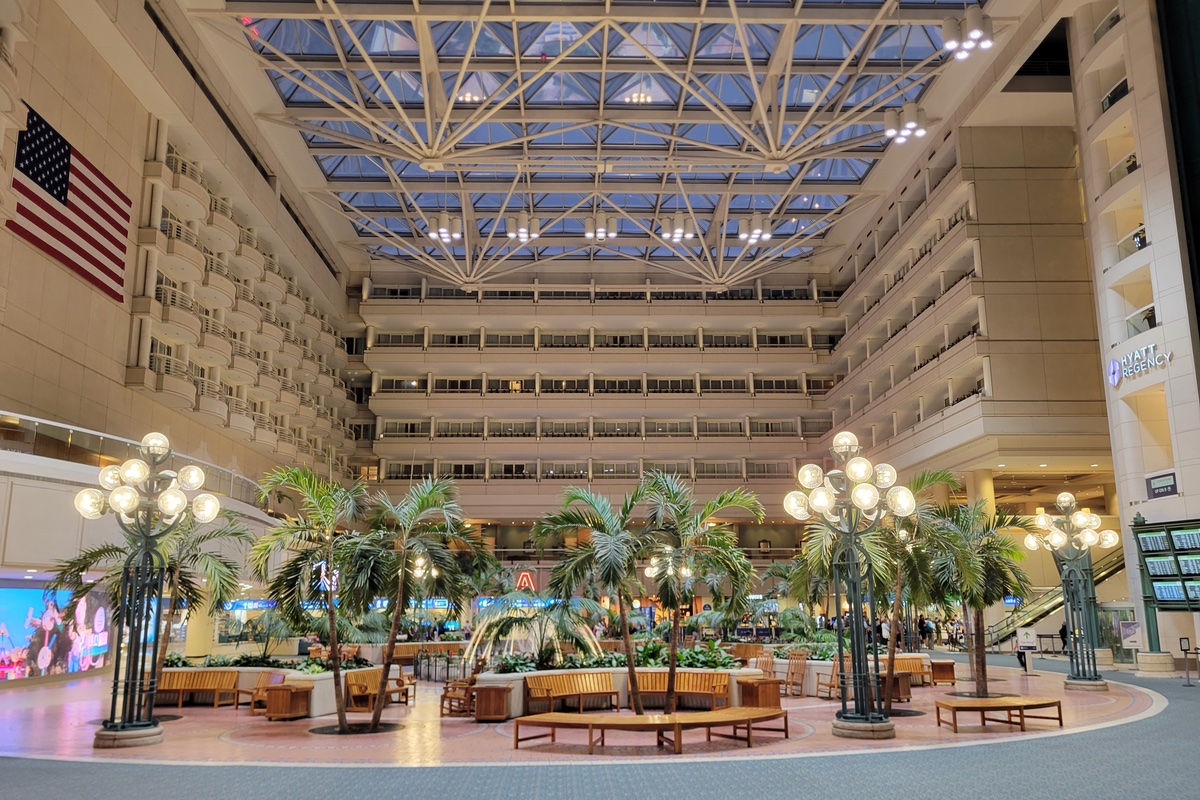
[[37, 639]]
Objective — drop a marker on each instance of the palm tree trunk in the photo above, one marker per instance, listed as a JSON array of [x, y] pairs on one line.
[[969, 640], [635, 694], [981, 685], [891, 654], [335, 658], [672, 653], [169, 611], [390, 651]]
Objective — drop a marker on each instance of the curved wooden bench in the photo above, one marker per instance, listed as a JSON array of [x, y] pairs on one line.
[[713, 684], [221, 683], [578, 685], [668, 728], [1010, 705]]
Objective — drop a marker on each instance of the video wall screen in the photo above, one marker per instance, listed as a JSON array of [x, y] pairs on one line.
[[37, 639]]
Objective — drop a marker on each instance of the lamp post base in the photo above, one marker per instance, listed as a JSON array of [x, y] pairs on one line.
[[133, 737], [864, 730], [1086, 686]]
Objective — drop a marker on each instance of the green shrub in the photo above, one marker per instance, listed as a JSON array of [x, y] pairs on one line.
[[175, 659], [218, 661], [252, 660], [707, 656], [650, 654], [517, 662]]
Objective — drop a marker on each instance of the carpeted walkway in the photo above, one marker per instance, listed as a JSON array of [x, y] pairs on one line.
[[1156, 757]]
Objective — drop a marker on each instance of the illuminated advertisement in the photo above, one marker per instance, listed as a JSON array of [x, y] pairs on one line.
[[36, 638]]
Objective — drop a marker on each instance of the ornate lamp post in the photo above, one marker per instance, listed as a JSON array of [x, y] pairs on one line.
[[149, 503], [850, 500], [1070, 539]]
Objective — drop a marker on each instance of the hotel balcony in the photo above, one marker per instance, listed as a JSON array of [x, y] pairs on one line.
[[309, 325], [265, 437], [291, 308], [324, 421], [216, 289], [183, 184], [272, 286], [306, 414], [337, 358], [285, 445], [289, 353], [339, 398], [213, 348], [308, 368], [220, 230], [266, 384], [180, 256], [240, 424], [288, 401], [323, 385], [167, 378], [243, 364], [179, 321], [245, 315], [246, 261], [269, 335], [210, 402], [324, 343]]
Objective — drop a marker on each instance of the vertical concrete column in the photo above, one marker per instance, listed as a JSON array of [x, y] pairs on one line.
[[591, 384], [537, 384], [696, 387], [981, 487], [199, 638], [591, 338], [486, 427], [429, 384], [367, 286], [987, 376], [981, 310], [700, 338], [537, 338], [1111, 505], [754, 337], [146, 334], [370, 341]]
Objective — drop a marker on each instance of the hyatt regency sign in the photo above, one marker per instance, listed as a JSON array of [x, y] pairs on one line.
[[1137, 363]]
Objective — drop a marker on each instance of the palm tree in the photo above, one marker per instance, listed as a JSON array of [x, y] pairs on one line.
[[909, 549], [609, 557], [544, 620], [311, 540], [690, 544], [411, 544], [195, 573], [979, 563]]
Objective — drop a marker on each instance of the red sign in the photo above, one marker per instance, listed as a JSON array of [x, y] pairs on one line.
[[525, 581]]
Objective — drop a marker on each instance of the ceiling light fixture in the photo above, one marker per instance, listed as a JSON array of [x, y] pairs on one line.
[[522, 228], [677, 228], [900, 124], [445, 228], [961, 36], [642, 93], [600, 228]]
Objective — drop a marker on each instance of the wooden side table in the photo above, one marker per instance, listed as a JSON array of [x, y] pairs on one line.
[[941, 672], [760, 692], [491, 702], [288, 700], [901, 686]]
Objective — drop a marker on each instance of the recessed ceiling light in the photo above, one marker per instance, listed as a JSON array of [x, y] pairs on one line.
[[1000, 465], [31, 570], [1043, 465], [28, 577], [1094, 465]]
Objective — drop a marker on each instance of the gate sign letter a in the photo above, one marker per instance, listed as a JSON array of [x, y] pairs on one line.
[[525, 581]]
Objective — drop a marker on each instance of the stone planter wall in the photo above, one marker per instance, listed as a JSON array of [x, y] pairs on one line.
[[620, 675]]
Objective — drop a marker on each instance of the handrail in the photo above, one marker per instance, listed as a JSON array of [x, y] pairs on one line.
[[290, 337], [86, 446], [311, 308], [213, 326], [268, 316], [271, 264], [188, 169], [1126, 165], [170, 296], [288, 385], [215, 265], [169, 365], [174, 229], [265, 367], [242, 292], [1132, 242], [1050, 602], [247, 237], [242, 349], [307, 400], [207, 387], [1119, 90], [237, 405], [307, 353], [221, 205]]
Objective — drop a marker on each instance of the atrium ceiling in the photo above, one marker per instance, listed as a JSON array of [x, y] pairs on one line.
[[630, 137]]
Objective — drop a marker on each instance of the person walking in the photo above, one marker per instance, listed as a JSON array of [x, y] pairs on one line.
[[1062, 634]]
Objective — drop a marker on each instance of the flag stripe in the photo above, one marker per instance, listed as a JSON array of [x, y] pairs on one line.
[[43, 208], [46, 230], [69, 209], [92, 278], [77, 158], [114, 206]]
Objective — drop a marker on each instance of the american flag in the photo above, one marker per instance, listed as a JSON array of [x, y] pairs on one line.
[[68, 209]]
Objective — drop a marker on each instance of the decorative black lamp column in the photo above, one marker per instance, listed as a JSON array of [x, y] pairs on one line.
[[149, 503], [850, 501]]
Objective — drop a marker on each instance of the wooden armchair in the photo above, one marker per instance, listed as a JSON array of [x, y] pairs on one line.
[[458, 697], [258, 694], [361, 689], [403, 688], [797, 665], [831, 683]]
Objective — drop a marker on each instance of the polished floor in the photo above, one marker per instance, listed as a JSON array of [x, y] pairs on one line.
[[1136, 740]]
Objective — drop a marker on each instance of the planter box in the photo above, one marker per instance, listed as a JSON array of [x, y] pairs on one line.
[[516, 697]]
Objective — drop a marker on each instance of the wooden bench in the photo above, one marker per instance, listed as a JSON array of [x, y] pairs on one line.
[[668, 728], [713, 685], [221, 683], [1010, 705], [566, 685], [915, 666]]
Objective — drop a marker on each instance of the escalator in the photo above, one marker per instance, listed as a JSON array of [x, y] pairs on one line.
[[1030, 613]]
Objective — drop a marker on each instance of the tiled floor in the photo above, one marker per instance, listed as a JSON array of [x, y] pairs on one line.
[[59, 721]]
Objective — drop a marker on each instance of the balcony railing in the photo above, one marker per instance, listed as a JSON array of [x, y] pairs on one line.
[[1107, 24], [1114, 94], [54, 440], [242, 349], [242, 292], [174, 229], [215, 327], [221, 205], [169, 365], [271, 264], [1134, 241], [1127, 166], [1140, 321], [188, 169], [170, 296], [207, 387], [247, 237]]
